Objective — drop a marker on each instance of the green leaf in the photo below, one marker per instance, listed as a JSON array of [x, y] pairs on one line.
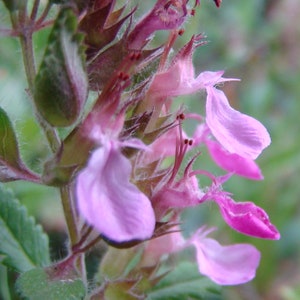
[[11, 164], [9, 151], [23, 243], [61, 84], [36, 285], [184, 283]]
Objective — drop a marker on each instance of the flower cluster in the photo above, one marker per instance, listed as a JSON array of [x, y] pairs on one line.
[[126, 190]]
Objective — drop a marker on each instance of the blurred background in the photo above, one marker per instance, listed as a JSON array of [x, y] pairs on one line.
[[257, 41]]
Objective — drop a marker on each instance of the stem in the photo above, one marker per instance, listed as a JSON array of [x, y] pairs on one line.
[[4, 288], [8, 32], [44, 14], [28, 56], [34, 9], [70, 214], [51, 134], [83, 238], [90, 245], [22, 11], [26, 30]]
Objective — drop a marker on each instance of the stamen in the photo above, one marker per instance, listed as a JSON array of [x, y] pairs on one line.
[[181, 116], [181, 149], [123, 76], [135, 56], [180, 32]]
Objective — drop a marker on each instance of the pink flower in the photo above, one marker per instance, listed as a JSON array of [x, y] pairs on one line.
[[232, 162], [236, 132], [225, 265], [246, 218], [109, 201]]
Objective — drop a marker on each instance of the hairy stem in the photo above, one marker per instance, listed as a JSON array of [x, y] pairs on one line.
[[25, 27], [4, 289], [70, 214], [44, 14], [28, 56], [71, 221], [35, 9]]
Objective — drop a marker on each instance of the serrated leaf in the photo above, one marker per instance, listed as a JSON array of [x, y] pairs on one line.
[[61, 84], [36, 285], [23, 243], [184, 283]]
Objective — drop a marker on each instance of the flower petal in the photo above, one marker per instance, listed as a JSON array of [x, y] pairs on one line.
[[236, 132], [232, 162], [226, 265], [247, 218], [209, 78], [108, 201]]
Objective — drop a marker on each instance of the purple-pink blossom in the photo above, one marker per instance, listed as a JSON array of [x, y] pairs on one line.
[[236, 132], [109, 201], [128, 192], [232, 162], [173, 193], [225, 265], [246, 218]]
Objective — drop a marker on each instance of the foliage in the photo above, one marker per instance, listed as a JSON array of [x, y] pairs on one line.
[[23, 243]]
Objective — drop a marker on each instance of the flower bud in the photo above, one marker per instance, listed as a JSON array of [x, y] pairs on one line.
[[61, 84]]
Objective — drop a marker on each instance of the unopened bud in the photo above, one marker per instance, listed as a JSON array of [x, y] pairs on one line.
[[60, 89]]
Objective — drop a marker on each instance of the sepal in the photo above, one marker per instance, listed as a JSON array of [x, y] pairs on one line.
[[102, 26], [70, 158]]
